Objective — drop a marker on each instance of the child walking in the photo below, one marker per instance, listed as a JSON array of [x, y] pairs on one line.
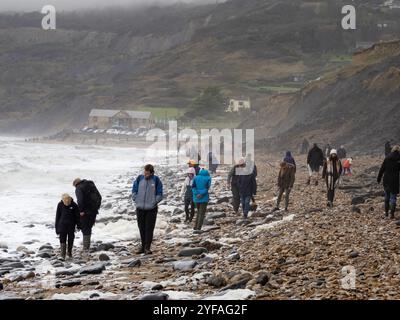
[[67, 218], [187, 194]]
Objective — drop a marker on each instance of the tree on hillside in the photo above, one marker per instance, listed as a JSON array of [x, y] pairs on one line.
[[209, 102]]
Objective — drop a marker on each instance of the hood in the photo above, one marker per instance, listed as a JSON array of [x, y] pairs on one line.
[[204, 172], [394, 156]]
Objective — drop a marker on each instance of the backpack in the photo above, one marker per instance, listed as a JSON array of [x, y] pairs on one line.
[[93, 195]]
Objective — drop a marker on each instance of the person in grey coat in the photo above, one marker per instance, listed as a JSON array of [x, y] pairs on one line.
[[147, 192]]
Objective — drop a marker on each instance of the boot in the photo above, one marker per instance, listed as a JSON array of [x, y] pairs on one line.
[[63, 249], [392, 210], [140, 250], [316, 182], [70, 252], [308, 181], [86, 246], [387, 208]]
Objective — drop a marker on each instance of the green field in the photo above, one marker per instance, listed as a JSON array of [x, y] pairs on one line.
[[164, 112]]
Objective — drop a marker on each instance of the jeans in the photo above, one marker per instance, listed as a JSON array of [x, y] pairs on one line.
[[146, 220], [390, 197], [189, 214], [201, 213], [245, 200], [287, 194]]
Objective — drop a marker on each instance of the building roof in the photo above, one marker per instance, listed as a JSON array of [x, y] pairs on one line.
[[111, 113]]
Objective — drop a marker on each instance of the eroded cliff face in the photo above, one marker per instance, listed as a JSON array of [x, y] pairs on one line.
[[358, 106]]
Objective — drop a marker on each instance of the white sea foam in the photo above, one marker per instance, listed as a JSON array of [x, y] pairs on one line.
[[33, 177]]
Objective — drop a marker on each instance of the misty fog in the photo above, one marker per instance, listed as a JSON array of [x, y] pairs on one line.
[[36, 5]]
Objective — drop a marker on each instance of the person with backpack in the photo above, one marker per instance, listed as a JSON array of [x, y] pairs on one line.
[[286, 178], [67, 219], [331, 173], [187, 194], [390, 172], [147, 192], [315, 160], [200, 187], [89, 201]]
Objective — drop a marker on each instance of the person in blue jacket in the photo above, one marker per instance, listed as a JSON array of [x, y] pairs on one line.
[[147, 192], [200, 188]]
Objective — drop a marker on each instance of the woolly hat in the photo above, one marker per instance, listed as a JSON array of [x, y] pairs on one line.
[[333, 151]]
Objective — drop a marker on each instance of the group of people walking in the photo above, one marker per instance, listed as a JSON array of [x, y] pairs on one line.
[[147, 192]]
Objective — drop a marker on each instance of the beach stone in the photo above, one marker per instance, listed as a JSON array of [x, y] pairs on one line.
[[262, 278], [93, 269], [1, 286], [355, 209], [45, 254], [69, 283], [185, 265], [216, 281], [175, 220], [211, 245], [29, 226], [354, 254], [238, 282], [3, 246], [216, 215], [157, 287], [67, 272], [46, 247], [208, 222], [154, 296], [223, 200], [13, 265], [104, 257], [234, 256], [188, 252], [177, 211], [135, 263], [105, 247]]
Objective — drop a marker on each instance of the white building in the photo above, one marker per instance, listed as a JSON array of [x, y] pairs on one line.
[[238, 105]]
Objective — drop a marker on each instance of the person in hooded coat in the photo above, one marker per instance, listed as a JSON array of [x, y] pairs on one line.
[[286, 178], [289, 158], [67, 219], [389, 171], [187, 193], [200, 187], [232, 184], [331, 173], [315, 160]]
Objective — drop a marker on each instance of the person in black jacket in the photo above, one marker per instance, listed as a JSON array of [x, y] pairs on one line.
[[67, 218], [315, 160], [390, 172], [86, 192], [232, 184], [331, 173], [247, 186]]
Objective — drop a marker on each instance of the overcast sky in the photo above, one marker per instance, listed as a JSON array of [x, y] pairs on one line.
[[36, 5]]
